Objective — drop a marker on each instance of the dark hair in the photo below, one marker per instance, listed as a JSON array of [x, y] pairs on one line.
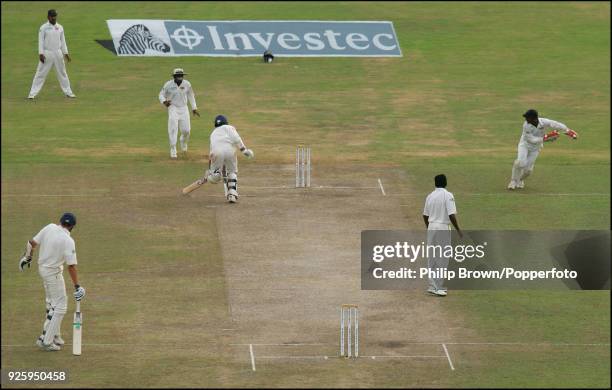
[[531, 113], [440, 180], [51, 12]]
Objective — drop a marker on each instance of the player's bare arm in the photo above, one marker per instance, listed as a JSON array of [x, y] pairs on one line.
[[453, 219]]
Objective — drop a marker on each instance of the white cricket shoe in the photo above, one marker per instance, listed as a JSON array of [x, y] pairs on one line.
[[431, 290], [512, 185], [521, 184], [232, 198], [70, 95], [58, 340], [51, 347], [440, 293], [31, 97]]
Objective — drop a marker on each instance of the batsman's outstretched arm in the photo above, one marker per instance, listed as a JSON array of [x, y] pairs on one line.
[[453, 219]]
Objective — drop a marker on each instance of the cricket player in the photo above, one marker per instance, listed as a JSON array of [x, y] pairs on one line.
[[223, 163], [439, 212], [52, 50], [56, 248], [532, 141], [174, 95]]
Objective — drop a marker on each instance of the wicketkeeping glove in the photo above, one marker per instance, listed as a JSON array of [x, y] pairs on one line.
[[572, 134], [79, 293], [552, 136]]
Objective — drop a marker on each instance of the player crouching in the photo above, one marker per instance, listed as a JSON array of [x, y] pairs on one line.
[[223, 163], [532, 140]]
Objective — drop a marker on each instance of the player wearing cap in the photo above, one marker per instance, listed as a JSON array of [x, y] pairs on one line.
[[536, 131], [56, 248], [52, 50], [174, 95]]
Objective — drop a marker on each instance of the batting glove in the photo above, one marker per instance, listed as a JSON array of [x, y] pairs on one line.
[[79, 293], [25, 260], [572, 134], [248, 153], [552, 136]]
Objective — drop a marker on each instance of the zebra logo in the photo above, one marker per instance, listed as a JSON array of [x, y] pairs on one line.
[[138, 38]]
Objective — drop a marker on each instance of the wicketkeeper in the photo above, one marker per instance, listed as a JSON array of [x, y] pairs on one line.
[[535, 133], [56, 248], [223, 163]]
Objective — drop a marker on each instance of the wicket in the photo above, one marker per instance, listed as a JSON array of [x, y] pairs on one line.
[[302, 166], [352, 318]]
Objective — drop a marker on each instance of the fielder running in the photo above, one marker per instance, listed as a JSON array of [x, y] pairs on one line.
[[223, 163], [532, 140], [174, 95], [52, 50], [56, 248]]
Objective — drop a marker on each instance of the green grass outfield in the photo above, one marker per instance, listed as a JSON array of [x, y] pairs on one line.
[[451, 104]]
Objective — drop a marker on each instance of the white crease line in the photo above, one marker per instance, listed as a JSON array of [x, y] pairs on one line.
[[252, 357], [540, 344], [448, 356], [403, 356], [381, 187], [324, 357], [280, 344]]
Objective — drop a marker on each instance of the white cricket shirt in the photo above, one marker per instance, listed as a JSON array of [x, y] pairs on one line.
[[178, 95], [533, 136], [51, 38], [439, 205], [56, 247], [225, 135]]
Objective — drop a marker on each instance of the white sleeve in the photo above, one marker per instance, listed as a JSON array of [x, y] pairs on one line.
[[41, 234], [450, 204], [191, 97], [550, 124], [162, 94], [426, 210], [70, 253], [41, 41], [63, 45], [235, 138]]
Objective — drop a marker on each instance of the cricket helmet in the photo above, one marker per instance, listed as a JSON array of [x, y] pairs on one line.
[[68, 219], [220, 120], [178, 72]]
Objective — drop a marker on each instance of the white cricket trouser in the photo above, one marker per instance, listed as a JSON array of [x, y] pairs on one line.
[[52, 58], [525, 162], [55, 301], [224, 155], [438, 234], [178, 118]]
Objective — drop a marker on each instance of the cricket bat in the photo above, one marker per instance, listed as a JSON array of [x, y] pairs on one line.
[[77, 328], [193, 186]]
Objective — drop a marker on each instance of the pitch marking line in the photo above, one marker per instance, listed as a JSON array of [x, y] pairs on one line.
[[252, 357], [382, 189], [448, 356], [280, 344], [404, 356]]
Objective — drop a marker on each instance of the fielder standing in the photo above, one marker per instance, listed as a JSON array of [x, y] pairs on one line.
[[174, 95], [52, 50], [439, 212], [56, 248], [532, 141], [223, 163]]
